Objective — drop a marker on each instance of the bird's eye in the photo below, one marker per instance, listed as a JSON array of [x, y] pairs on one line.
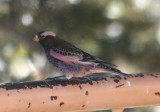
[[42, 36]]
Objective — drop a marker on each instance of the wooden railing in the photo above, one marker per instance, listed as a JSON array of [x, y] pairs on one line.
[[87, 93]]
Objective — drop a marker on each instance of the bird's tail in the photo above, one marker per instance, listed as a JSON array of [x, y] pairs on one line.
[[111, 69], [124, 74], [116, 71]]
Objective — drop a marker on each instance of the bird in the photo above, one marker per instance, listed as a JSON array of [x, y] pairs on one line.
[[69, 59]]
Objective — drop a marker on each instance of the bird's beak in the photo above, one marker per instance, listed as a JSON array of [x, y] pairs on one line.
[[36, 39]]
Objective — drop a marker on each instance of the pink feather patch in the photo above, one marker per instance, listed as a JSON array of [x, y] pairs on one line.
[[64, 58]]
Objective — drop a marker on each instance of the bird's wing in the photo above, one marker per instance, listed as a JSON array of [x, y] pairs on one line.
[[67, 52], [89, 58], [65, 56]]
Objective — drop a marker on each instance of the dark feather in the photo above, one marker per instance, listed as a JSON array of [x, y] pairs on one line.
[[89, 58], [66, 48]]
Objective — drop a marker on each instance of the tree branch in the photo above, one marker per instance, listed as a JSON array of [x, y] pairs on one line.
[[87, 93]]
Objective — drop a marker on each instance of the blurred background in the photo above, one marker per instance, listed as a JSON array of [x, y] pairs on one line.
[[124, 33]]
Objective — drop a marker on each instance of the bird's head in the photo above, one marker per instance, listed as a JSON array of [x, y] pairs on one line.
[[45, 38]]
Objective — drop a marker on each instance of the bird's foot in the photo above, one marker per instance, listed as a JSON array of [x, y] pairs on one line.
[[69, 76], [56, 77]]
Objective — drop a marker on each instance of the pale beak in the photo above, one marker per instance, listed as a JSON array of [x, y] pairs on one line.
[[36, 39]]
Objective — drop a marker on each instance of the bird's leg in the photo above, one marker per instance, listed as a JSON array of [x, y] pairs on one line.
[[68, 76], [56, 77]]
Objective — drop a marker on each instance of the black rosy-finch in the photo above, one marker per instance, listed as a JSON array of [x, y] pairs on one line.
[[72, 61]]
